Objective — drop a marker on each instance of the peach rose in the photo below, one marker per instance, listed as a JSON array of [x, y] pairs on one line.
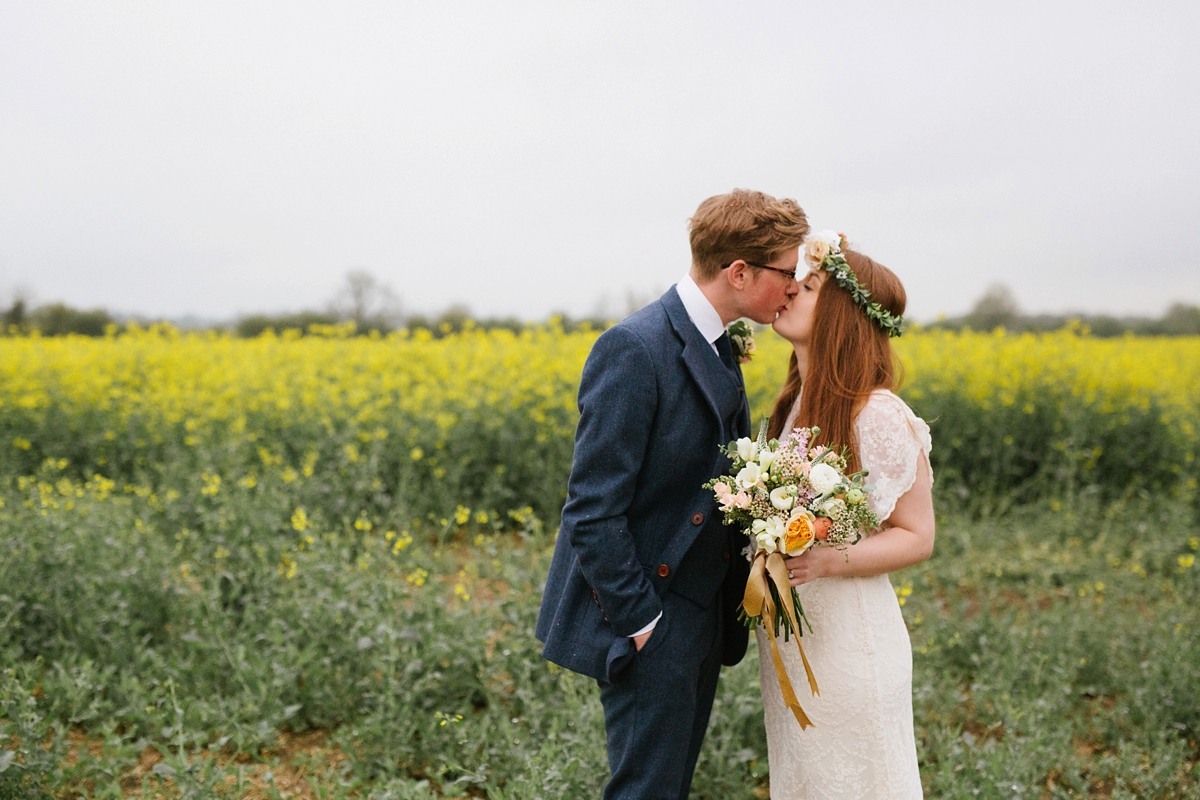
[[821, 528], [799, 533]]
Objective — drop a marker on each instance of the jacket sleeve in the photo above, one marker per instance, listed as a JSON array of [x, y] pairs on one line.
[[618, 396]]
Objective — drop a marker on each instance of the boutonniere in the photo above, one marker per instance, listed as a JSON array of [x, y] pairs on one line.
[[741, 340]]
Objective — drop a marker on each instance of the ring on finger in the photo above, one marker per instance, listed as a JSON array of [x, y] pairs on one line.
[[790, 575]]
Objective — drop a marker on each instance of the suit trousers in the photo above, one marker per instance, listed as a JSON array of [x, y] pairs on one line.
[[656, 709]]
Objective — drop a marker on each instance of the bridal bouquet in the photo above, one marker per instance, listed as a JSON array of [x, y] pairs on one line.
[[787, 497]]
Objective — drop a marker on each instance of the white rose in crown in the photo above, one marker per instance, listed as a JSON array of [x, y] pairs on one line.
[[823, 478], [819, 245]]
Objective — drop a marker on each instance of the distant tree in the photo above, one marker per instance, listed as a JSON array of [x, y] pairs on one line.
[[366, 302], [452, 320], [253, 325], [15, 317], [59, 319], [1181, 320], [1103, 325], [998, 307]]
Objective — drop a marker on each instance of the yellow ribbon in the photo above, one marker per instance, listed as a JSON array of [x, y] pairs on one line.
[[758, 602]]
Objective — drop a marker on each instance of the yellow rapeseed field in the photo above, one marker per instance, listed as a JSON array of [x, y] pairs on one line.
[[1008, 411]]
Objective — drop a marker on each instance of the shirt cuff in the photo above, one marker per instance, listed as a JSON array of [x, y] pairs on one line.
[[648, 628]]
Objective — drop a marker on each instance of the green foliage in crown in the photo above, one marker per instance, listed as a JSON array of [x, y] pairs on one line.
[[823, 251]]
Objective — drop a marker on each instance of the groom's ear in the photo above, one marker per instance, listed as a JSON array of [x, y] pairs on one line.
[[736, 274]]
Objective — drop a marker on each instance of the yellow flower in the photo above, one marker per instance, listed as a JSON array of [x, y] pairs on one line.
[[403, 541], [1186, 562], [799, 533], [299, 519]]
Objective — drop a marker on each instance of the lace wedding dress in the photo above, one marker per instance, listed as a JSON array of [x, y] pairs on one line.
[[862, 743]]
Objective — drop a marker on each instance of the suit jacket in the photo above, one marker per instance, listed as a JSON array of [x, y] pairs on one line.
[[656, 405]]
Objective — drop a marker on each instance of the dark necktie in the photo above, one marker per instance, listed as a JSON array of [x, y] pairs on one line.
[[725, 351]]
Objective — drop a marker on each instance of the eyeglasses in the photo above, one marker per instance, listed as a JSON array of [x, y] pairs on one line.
[[790, 274]]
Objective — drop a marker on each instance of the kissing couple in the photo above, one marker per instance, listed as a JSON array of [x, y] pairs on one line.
[[646, 582]]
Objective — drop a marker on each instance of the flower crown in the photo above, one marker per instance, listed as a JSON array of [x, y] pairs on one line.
[[823, 251]]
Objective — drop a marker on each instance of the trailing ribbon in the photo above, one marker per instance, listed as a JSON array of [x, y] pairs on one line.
[[757, 602]]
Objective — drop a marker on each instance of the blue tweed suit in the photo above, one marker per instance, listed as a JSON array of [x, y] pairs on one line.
[[640, 535]]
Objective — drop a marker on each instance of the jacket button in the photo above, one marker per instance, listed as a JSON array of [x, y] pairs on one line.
[[697, 518], [663, 570]]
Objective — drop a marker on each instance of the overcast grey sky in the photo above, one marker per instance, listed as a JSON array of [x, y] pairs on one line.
[[216, 158]]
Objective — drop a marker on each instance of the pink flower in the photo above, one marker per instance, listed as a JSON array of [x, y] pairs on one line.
[[741, 500]]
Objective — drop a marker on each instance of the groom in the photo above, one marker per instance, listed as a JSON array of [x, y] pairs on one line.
[[645, 583]]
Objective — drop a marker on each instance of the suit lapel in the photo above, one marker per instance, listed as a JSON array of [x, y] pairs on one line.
[[702, 363]]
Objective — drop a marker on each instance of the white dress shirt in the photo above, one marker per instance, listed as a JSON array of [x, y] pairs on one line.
[[700, 311], [708, 322]]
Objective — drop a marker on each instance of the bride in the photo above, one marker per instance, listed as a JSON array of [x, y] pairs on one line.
[[841, 378]]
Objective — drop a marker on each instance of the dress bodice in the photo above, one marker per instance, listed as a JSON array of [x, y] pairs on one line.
[[890, 439]]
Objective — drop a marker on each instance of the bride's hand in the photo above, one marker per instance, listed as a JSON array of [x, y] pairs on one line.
[[810, 565]]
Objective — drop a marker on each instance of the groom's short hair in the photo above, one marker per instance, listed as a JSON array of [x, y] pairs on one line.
[[743, 224]]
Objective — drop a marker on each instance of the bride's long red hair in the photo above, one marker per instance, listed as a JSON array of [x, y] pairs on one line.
[[849, 356]]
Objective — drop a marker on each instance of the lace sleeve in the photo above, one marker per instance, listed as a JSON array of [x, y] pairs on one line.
[[891, 439]]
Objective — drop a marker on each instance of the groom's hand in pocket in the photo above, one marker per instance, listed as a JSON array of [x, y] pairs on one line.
[[640, 641]]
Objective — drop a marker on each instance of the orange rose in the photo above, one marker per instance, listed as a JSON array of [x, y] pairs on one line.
[[799, 533]]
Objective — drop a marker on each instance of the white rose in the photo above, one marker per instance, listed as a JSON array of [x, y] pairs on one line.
[[823, 478], [855, 496], [815, 251], [834, 507], [749, 476], [782, 498], [747, 448], [831, 238], [819, 245]]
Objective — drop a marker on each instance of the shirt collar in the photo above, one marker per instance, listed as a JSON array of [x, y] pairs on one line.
[[699, 310]]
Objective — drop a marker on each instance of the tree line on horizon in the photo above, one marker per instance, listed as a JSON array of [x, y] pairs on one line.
[[998, 308], [374, 307]]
